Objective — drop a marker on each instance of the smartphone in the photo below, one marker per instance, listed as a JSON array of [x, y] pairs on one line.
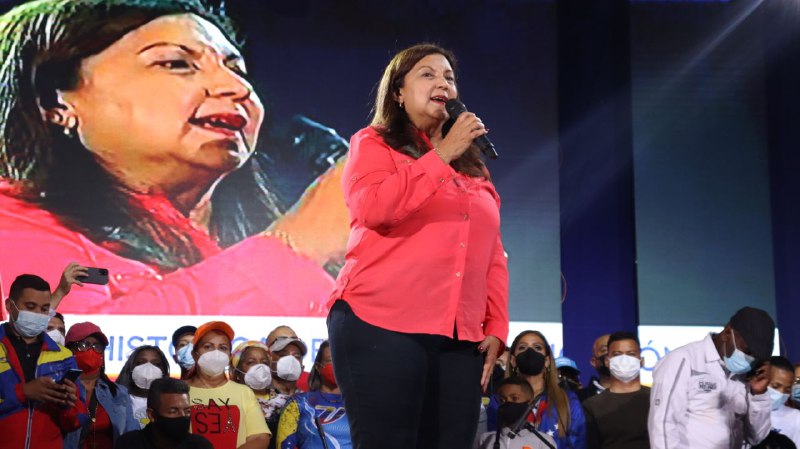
[[72, 375], [95, 276]]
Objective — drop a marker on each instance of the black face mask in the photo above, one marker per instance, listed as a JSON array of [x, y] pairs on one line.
[[602, 369], [510, 413], [530, 362], [174, 429]]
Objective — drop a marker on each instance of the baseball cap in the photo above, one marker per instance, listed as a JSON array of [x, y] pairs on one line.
[[180, 332], [282, 342], [79, 331], [219, 326], [757, 329], [565, 362]]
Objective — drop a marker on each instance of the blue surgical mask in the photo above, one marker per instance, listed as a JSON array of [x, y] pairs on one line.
[[738, 362], [185, 359], [30, 324], [796, 393], [777, 398]]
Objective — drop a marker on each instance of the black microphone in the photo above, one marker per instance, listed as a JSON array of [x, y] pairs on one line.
[[455, 108]]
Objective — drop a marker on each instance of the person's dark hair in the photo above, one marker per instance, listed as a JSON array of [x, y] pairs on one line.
[[126, 374], [623, 335], [776, 440], [60, 317], [781, 363], [165, 385], [43, 45], [24, 281], [315, 377], [555, 394], [392, 122], [520, 382]]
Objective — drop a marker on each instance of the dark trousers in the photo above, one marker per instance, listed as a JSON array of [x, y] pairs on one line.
[[404, 391]]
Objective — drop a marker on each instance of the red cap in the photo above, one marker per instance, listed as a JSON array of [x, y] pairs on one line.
[[79, 331], [219, 326]]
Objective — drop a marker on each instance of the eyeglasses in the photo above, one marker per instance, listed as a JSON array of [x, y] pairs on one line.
[[83, 346]]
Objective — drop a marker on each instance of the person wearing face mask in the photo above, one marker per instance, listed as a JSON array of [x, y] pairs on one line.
[[286, 354], [283, 332], [169, 420], [224, 412], [617, 417], [283, 349], [785, 420], [795, 402], [600, 382], [145, 364], [515, 431], [568, 374], [56, 328], [556, 412], [182, 345], [109, 405], [250, 365], [319, 413], [713, 393], [33, 392]]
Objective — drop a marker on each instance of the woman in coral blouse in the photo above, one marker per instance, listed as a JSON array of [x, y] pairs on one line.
[[420, 308], [127, 131]]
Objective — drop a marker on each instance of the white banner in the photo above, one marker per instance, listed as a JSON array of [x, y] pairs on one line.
[[127, 332]]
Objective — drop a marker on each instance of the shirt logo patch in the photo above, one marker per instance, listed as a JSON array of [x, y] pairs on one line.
[[707, 386]]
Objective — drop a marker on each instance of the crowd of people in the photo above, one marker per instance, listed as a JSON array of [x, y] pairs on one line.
[[726, 390]]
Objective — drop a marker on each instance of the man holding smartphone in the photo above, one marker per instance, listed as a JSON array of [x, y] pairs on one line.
[[37, 404]]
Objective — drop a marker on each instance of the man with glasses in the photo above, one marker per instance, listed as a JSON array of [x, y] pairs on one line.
[[713, 393], [37, 403]]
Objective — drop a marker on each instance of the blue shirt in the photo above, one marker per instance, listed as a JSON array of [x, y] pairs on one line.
[[297, 428]]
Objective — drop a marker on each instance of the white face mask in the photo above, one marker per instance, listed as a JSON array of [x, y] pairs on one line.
[[258, 377], [288, 368], [213, 363], [30, 324], [625, 368], [57, 336], [143, 375]]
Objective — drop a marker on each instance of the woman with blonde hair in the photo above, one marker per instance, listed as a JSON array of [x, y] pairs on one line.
[[555, 411]]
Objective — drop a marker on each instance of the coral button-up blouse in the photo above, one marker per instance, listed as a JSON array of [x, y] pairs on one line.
[[424, 254]]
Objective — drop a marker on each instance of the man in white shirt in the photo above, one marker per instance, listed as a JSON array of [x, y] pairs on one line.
[[702, 396], [785, 420]]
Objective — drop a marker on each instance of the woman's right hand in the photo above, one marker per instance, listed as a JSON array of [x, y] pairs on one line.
[[466, 128]]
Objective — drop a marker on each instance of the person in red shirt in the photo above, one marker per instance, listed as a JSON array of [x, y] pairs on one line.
[[423, 296], [127, 138]]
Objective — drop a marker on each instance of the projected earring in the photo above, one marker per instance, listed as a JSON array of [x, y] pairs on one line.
[[69, 125]]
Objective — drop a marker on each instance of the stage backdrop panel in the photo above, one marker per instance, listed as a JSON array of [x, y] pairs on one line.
[[703, 232]]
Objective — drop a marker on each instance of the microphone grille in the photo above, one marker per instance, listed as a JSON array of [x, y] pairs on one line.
[[454, 108]]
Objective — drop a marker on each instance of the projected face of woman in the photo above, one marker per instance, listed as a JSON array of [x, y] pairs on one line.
[[166, 109]]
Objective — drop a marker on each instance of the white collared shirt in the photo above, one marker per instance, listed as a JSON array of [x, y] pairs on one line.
[[696, 403], [786, 421]]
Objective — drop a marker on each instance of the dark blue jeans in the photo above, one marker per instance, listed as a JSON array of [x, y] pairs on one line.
[[404, 391]]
